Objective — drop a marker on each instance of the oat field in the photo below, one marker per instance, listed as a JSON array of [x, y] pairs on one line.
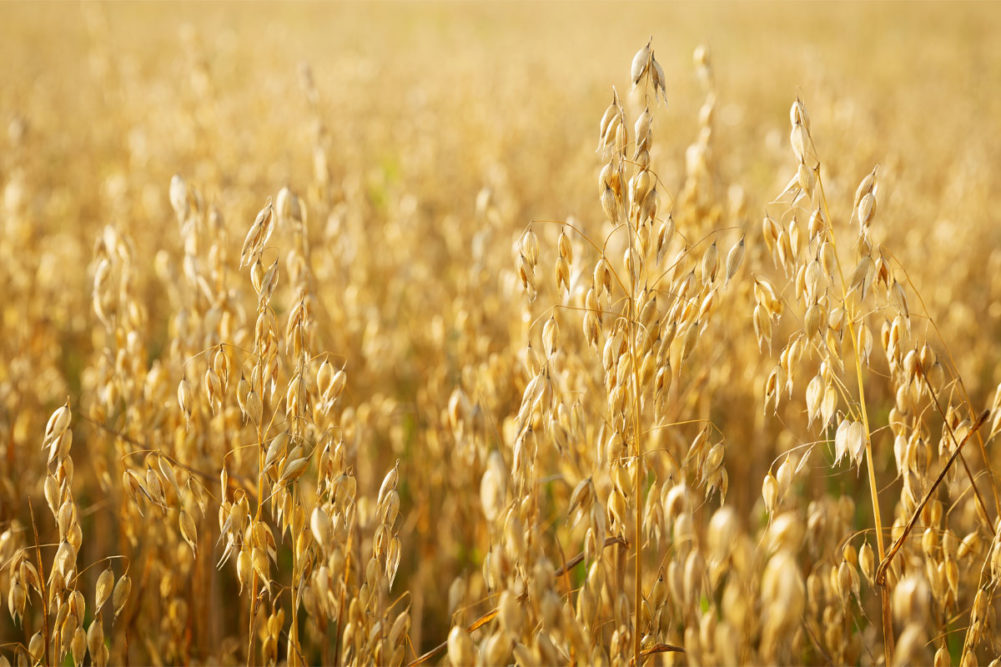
[[490, 334]]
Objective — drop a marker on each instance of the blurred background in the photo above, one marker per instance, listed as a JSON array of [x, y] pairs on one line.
[[512, 91]]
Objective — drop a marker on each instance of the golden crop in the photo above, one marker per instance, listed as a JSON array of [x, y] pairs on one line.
[[499, 333]]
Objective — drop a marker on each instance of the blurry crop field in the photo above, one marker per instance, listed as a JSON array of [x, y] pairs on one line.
[[509, 333]]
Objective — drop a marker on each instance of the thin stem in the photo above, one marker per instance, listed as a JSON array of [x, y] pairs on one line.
[[945, 422], [985, 573], [41, 581], [639, 262], [888, 639], [660, 648], [294, 629], [638, 484], [966, 395], [885, 562], [257, 517], [340, 604]]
